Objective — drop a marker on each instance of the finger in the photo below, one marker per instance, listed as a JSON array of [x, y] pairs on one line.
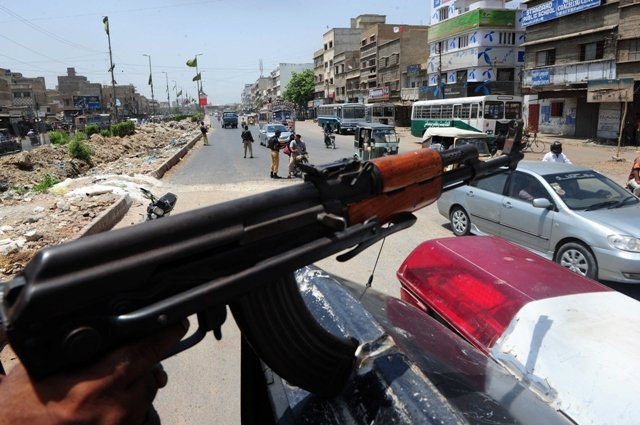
[[160, 375], [132, 361]]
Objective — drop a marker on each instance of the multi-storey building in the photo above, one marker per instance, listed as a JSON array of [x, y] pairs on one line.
[[474, 48], [582, 68], [335, 42]]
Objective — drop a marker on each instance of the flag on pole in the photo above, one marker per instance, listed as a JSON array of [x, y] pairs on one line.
[[150, 80], [179, 93], [193, 62], [105, 21], [197, 77]]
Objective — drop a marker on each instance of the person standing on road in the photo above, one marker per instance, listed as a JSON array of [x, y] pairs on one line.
[[203, 130], [556, 155], [634, 177], [274, 145], [247, 140]]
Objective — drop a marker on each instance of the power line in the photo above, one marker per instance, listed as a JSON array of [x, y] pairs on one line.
[[45, 31]]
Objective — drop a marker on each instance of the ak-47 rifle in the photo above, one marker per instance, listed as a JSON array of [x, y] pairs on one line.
[[77, 300]]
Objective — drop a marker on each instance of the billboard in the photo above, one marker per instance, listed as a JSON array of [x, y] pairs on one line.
[[553, 9], [87, 102], [601, 91]]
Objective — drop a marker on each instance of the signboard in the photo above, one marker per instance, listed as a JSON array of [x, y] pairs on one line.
[[601, 91], [553, 9], [203, 101], [540, 77], [87, 102], [413, 70], [379, 93], [472, 19]]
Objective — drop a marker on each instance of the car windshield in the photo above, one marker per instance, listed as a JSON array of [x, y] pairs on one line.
[[589, 190], [480, 144], [274, 128]]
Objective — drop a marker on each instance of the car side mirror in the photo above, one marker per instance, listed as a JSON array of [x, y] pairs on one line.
[[541, 203]]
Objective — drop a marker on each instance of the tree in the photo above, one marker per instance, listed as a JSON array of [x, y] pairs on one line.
[[300, 88]]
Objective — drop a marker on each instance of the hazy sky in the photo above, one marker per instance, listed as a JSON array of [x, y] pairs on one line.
[[44, 37]]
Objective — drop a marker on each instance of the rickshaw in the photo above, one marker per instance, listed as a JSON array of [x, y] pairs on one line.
[[251, 119], [373, 140]]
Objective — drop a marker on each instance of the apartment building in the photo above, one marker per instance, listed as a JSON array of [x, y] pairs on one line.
[[582, 68]]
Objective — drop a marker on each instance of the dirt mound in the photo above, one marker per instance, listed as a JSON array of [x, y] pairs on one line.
[[30, 221]]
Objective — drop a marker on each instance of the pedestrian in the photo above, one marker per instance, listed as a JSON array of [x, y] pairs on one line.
[[203, 130], [634, 177], [247, 140], [298, 149], [556, 155], [274, 145]]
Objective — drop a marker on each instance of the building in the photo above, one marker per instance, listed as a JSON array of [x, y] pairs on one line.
[[335, 42], [582, 68], [474, 49]]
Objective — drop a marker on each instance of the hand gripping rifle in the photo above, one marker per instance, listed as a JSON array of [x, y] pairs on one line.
[[76, 300]]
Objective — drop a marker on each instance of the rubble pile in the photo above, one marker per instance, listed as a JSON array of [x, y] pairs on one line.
[[30, 221]]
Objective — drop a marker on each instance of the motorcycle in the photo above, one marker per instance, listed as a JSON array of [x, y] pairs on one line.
[[302, 158], [330, 140], [159, 207]]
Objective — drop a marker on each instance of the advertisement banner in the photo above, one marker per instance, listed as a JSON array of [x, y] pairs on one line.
[[379, 93], [87, 102], [553, 9], [203, 101], [470, 20], [540, 77]]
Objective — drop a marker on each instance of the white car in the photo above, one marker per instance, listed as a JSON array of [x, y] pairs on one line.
[[269, 130]]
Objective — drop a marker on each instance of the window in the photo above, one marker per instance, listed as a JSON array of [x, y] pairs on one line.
[[363, 42], [557, 109], [493, 183], [372, 38], [325, 46], [447, 111], [474, 110], [494, 110], [331, 44], [443, 13], [331, 62], [634, 49], [505, 74], [372, 62], [463, 41], [326, 65], [508, 38], [546, 57], [592, 51]]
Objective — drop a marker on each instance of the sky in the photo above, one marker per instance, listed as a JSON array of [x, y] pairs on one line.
[[42, 38]]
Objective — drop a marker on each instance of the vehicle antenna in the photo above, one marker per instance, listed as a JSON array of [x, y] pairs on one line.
[[370, 280]]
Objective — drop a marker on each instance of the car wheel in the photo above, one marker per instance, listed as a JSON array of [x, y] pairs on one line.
[[577, 258], [460, 222]]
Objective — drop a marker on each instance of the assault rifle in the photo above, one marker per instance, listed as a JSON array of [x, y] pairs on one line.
[[76, 300]]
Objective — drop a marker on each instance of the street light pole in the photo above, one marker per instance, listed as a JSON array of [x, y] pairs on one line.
[[153, 103], [168, 100]]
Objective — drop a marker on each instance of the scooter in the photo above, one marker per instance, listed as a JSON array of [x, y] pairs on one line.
[[330, 140], [159, 207]]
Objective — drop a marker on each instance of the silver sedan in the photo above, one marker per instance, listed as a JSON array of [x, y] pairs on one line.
[[570, 214], [269, 130]]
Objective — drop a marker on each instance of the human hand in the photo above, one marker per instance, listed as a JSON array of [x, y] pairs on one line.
[[117, 389]]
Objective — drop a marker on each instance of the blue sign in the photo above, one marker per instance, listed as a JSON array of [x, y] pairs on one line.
[[553, 9], [436, 3], [87, 102], [520, 56], [413, 69], [540, 77]]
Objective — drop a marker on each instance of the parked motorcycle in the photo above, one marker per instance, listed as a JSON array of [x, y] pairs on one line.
[[159, 207]]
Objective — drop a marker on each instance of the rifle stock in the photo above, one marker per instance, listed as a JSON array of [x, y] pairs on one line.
[[77, 300]]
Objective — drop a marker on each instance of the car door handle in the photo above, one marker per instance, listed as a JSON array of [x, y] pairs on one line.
[[507, 204], [470, 194]]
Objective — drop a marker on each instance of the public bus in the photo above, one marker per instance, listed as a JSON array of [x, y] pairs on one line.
[[383, 113], [342, 116], [489, 114]]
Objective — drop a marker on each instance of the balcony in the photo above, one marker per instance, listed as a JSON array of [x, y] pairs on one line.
[[563, 75]]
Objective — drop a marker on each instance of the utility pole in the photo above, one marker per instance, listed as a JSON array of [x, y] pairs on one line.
[[105, 21], [153, 102], [168, 100]]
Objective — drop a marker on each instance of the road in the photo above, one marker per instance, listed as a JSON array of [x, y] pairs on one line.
[[204, 383]]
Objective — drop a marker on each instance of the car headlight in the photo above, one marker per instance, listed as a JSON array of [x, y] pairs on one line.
[[624, 243]]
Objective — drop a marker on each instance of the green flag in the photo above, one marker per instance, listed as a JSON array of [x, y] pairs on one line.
[[193, 62], [179, 93], [197, 77], [105, 21], [150, 80]]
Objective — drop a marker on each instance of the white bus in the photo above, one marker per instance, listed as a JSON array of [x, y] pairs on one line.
[[343, 117], [383, 113], [489, 114]]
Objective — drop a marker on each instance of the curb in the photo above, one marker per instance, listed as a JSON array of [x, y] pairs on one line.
[[117, 211], [108, 218]]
